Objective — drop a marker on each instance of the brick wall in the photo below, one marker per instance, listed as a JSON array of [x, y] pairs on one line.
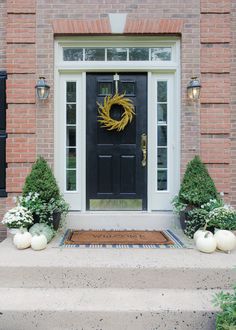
[[3, 16], [176, 9], [21, 114], [216, 54], [208, 50], [206, 47], [233, 106], [20, 63]]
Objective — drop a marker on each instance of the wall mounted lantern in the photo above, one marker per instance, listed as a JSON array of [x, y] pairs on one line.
[[42, 89], [193, 89]]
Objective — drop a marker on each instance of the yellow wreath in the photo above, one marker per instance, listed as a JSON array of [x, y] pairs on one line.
[[104, 112]]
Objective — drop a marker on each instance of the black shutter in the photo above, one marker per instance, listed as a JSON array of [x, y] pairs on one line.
[[3, 135]]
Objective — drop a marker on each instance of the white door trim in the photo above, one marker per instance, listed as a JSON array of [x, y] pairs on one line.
[[161, 200], [77, 71]]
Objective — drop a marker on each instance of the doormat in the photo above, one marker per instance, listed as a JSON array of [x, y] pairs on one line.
[[121, 239]]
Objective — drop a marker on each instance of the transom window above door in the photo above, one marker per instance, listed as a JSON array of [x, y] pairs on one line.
[[117, 54]]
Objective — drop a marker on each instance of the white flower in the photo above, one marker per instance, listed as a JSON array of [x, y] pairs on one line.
[[19, 215]]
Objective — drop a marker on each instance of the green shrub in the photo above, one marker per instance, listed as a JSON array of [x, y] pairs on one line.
[[197, 187], [42, 181], [199, 217], [226, 319]]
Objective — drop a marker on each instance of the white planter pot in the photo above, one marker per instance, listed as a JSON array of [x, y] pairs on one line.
[[12, 231]]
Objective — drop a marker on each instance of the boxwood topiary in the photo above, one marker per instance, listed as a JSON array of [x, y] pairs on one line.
[[197, 187], [42, 181]]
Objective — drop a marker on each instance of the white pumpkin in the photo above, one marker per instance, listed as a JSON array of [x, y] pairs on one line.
[[22, 240], [200, 233], [39, 242], [206, 243], [226, 240]]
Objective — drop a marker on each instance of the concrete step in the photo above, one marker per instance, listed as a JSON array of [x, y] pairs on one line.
[[114, 268], [121, 220], [106, 309]]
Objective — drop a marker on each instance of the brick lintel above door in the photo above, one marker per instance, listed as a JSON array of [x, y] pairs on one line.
[[108, 26]]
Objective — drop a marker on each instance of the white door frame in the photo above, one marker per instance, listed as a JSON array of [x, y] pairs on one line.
[[76, 71]]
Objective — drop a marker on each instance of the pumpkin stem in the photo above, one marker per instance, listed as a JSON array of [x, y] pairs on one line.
[[22, 230], [207, 234]]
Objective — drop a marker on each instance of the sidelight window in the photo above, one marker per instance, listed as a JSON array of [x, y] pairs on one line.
[[162, 136], [71, 143]]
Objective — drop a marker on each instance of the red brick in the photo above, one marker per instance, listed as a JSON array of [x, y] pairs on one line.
[[215, 28], [21, 118], [215, 59], [215, 119], [21, 58], [215, 6], [21, 6], [16, 174], [221, 176], [2, 207], [151, 26], [102, 26], [215, 88], [21, 88], [11, 198], [21, 148], [3, 26], [21, 28], [70, 27], [215, 150]]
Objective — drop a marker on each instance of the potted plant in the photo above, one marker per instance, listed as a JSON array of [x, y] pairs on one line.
[[57, 210], [223, 217], [199, 217], [197, 188], [16, 218], [33, 203], [42, 196]]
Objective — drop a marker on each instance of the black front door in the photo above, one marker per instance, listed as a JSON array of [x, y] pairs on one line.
[[116, 171]]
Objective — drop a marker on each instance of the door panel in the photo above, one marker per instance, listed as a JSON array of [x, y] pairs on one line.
[[127, 174], [114, 168], [105, 178]]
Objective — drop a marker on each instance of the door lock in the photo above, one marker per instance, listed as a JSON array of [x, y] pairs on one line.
[[144, 149]]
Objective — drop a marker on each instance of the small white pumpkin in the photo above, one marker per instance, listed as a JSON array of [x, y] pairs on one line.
[[22, 239], [200, 233], [206, 243], [39, 242], [226, 240]]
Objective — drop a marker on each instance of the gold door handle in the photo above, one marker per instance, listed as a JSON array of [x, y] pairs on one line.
[[144, 149]]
